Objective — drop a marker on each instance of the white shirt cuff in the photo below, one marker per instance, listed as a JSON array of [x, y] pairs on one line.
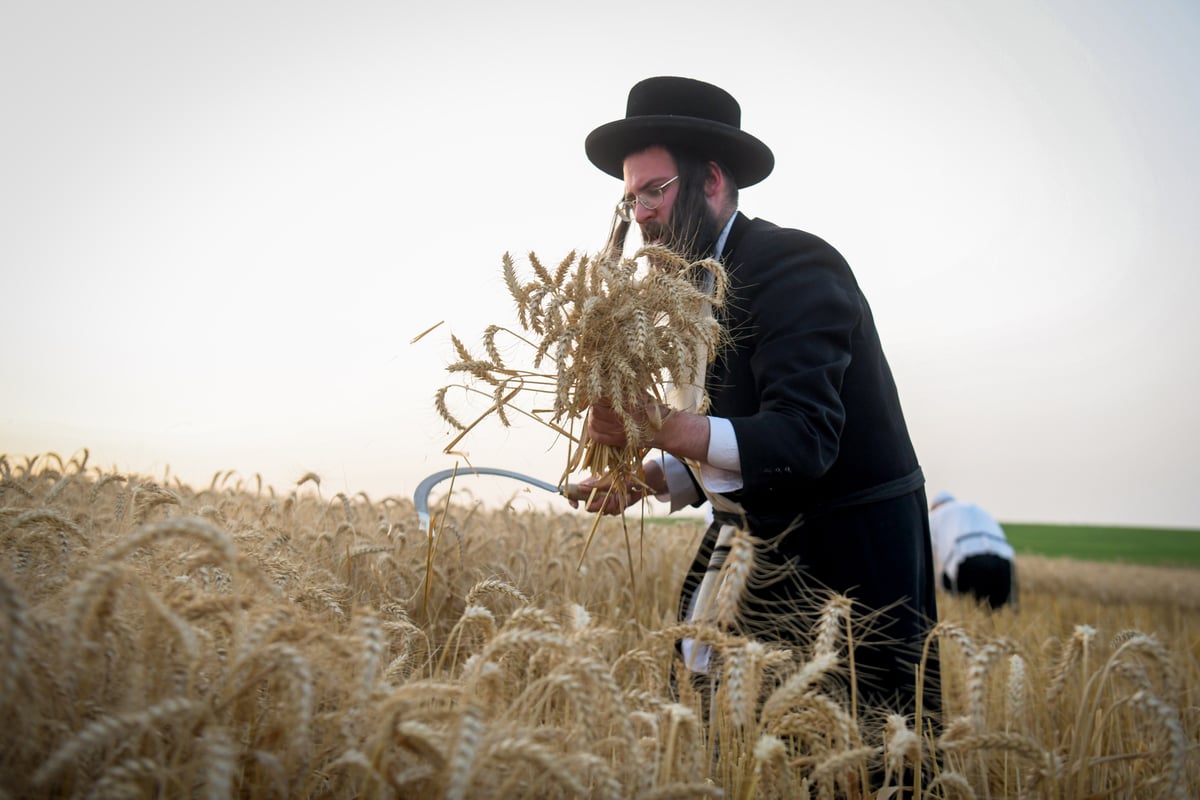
[[722, 470]]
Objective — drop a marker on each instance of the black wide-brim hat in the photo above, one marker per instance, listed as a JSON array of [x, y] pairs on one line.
[[686, 113]]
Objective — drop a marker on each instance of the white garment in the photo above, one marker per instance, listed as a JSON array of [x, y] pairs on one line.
[[720, 472], [960, 530]]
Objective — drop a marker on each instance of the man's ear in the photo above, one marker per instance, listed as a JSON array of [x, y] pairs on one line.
[[714, 181]]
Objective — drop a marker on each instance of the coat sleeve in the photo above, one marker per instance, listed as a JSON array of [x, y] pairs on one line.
[[797, 310]]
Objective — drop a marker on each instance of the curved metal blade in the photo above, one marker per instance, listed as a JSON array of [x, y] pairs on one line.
[[421, 495]]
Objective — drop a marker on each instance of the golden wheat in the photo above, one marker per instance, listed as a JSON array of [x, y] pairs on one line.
[[612, 333], [253, 643]]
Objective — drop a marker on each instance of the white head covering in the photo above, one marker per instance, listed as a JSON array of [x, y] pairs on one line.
[[941, 497]]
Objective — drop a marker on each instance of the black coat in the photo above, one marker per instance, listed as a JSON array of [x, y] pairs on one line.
[[831, 479], [805, 382]]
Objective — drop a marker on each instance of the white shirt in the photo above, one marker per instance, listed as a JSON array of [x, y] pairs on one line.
[[960, 530]]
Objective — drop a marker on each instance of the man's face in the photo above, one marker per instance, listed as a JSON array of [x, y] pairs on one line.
[[648, 169], [686, 220]]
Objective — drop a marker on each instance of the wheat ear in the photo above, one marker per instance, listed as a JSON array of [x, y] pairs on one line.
[[547, 762], [953, 780], [977, 671], [464, 753], [1016, 690], [833, 617], [682, 720], [741, 682], [683, 791], [1178, 742], [901, 744], [797, 687], [837, 766], [735, 577], [1076, 651], [124, 778], [220, 763], [16, 618], [107, 729]]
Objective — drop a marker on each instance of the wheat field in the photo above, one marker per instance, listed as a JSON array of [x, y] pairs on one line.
[[160, 640]]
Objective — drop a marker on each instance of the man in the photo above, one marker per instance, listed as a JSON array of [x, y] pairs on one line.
[[804, 444], [971, 552]]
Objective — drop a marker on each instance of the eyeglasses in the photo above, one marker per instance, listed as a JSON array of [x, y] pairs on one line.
[[649, 198]]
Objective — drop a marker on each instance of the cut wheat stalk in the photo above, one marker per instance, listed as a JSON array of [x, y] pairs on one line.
[[615, 333], [431, 544]]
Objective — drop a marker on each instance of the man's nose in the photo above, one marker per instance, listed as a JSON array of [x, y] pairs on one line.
[[641, 214]]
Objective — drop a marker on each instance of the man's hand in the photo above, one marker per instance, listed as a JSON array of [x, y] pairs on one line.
[[682, 434], [612, 500], [605, 426], [601, 495]]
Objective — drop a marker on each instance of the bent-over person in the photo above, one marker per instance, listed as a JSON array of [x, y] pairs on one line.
[[971, 553]]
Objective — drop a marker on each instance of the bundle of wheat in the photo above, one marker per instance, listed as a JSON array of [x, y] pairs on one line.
[[615, 333]]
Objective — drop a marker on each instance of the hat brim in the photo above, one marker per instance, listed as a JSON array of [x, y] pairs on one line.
[[746, 158]]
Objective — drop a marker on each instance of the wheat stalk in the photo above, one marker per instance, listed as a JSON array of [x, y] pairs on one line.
[[462, 760], [15, 614], [682, 721], [952, 779], [840, 767], [613, 335], [1136, 643], [107, 729], [374, 648], [495, 586], [684, 791], [546, 761], [272, 693], [981, 662], [741, 682], [284, 661], [124, 779], [1022, 745], [1178, 745], [796, 688], [734, 578], [188, 527], [901, 744], [220, 753], [1077, 650], [55, 520]]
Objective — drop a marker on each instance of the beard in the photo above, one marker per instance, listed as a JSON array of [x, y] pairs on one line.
[[691, 232]]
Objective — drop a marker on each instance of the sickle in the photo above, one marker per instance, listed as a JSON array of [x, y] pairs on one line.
[[421, 495]]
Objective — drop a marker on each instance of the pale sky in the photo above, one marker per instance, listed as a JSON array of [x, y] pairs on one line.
[[222, 223]]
